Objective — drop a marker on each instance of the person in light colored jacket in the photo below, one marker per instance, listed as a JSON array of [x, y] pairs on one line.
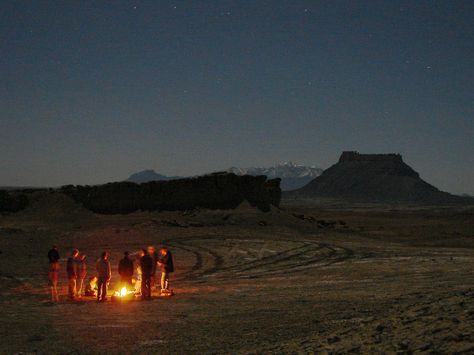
[[82, 272], [71, 269], [103, 276]]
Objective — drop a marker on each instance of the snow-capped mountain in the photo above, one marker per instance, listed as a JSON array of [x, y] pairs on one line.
[[293, 176]]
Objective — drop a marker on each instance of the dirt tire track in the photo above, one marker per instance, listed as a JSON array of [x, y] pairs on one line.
[[284, 262]]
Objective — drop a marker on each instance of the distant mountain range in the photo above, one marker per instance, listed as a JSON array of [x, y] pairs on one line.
[[293, 176], [149, 175]]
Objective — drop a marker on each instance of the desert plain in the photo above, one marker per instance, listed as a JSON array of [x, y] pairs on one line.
[[297, 279]]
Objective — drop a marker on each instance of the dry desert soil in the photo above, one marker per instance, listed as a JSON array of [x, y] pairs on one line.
[[294, 280]]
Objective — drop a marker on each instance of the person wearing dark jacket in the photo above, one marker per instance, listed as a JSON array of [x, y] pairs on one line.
[[53, 256], [103, 276], [154, 255], [165, 262], [146, 263], [71, 269], [125, 270]]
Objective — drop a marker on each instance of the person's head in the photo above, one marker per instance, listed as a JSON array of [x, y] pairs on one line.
[[151, 249], [104, 255], [75, 253], [163, 251], [55, 247], [82, 257], [126, 254]]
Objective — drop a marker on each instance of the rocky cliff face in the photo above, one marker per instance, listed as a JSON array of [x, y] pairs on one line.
[[214, 191], [373, 177]]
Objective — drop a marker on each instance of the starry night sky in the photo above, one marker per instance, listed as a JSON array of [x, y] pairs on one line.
[[93, 91]]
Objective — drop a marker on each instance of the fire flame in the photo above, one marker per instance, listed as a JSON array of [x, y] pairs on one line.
[[123, 291]]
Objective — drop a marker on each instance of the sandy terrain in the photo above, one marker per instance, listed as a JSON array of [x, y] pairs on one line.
[[295, 280]]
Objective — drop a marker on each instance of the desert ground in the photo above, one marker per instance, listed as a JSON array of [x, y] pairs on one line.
[[360, 279]]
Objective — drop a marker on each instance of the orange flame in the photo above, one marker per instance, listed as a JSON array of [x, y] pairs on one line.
[[123, 291]]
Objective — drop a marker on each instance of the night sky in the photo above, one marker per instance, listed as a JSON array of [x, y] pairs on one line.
[[93, 91]]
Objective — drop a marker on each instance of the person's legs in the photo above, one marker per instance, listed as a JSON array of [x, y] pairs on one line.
[[152, 281], [55, 288], [148, 286], [164, 280], [53, 281], [99, 288], [144, 286], [79, 289], [104, 290], [138, 285], [72, 288]]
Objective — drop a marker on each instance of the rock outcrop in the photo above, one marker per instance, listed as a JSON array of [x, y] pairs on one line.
[[373, 177], [214, 191]]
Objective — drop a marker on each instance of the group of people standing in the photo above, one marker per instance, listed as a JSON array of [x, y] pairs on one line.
[[138, 273]]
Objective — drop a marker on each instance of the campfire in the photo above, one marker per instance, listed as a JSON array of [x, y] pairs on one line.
[[123, 295]]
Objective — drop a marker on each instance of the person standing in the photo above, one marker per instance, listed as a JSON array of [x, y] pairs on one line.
[[82, 270], [154, 255], [103, 276], [71, 269], [138, 270], [125, 270], [165, 263], [53, 256], [146, 263]]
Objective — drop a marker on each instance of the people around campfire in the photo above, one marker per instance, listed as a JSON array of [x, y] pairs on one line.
[[53, 256], [125, 270], [165, 262], [103, 276], [91, 287], [82, 272], [72, 273], [146, 264]]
